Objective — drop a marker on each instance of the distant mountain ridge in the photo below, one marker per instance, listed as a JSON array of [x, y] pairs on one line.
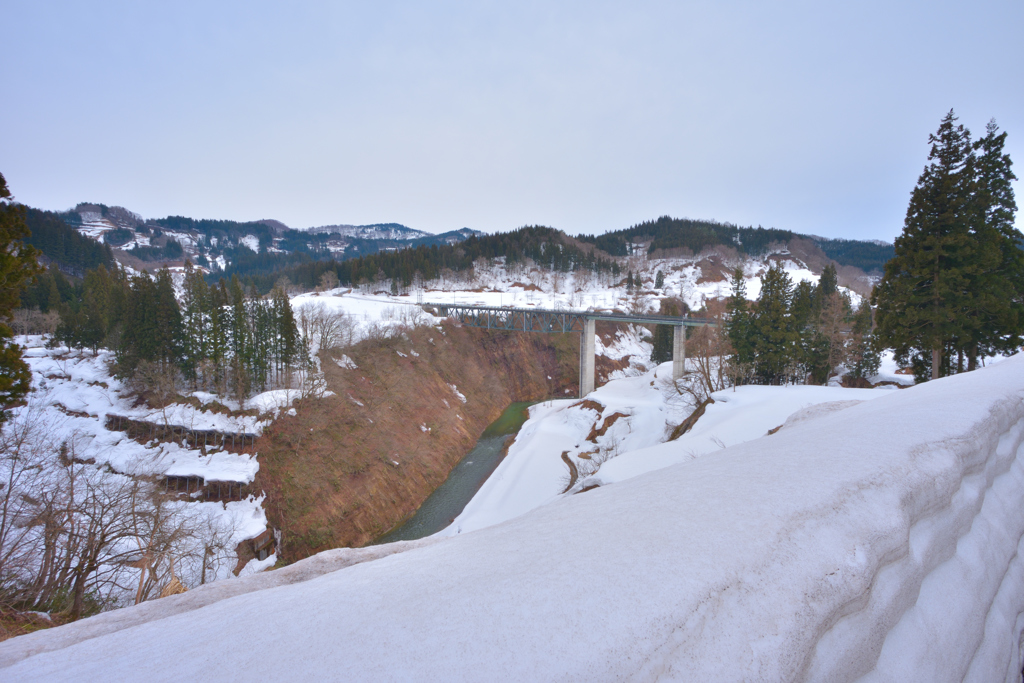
[[218, 245], [268, 249], [668, 236], [379, 231]]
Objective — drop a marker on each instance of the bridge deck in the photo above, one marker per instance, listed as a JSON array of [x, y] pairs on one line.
[[549, 320], [546, 320]]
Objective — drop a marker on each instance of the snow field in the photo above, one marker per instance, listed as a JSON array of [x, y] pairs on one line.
[[68, 383], [875, 540], [649, 407], [73, 395], [518, 286]]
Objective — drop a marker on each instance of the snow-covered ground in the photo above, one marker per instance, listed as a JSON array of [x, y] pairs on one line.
[[640, 413], [74, 396], [519, 286], [76, 393], [877, 540]]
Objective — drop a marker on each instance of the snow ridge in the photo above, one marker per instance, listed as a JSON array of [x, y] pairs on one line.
[[878, 542]]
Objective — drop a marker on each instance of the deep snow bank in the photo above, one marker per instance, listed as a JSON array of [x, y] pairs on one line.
[[877, 541]]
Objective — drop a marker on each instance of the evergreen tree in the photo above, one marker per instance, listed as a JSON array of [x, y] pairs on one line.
[[219, 328], [287, 330], [152, 324], [17, 266], [924, 292], [103, 300], [811, 350], [993, 317], [738, 325], [828, 284], [239, 340], [664, 335], [771, 327], [659, 280]]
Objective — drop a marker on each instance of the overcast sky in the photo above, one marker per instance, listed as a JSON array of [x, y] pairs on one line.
[[586, 116]]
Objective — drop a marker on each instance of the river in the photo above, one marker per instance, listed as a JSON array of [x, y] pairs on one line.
[[450, 498]]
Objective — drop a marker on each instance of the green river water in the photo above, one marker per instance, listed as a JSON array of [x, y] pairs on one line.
[[450, 498]]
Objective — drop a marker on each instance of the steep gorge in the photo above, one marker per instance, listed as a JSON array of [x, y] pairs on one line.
[[347, 468]]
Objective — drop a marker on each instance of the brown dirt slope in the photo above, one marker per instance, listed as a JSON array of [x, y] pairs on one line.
[[329, 472]]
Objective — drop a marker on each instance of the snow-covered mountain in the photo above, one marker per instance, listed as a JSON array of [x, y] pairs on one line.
[[214, 244], [377, 231]]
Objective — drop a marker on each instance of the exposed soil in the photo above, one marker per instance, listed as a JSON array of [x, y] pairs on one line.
[[14, 623], [687, 424], [573, 472], [348, 468], [713, 270], [600, 431]]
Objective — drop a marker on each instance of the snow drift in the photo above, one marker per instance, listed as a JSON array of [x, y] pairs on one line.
[[878, 542]]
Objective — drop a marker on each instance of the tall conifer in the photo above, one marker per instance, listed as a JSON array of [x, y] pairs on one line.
[[925, 288], [773, 336], [994, 314], [738, 322]]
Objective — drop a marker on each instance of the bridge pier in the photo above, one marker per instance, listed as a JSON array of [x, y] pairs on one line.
[[543, 320], [587, 352], [678, 351]]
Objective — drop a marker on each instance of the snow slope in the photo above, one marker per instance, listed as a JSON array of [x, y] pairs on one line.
[[648, 408], [495, 283], [878, 541], [75, 397]]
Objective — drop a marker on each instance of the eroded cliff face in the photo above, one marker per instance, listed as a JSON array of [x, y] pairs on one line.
[[347, 468]]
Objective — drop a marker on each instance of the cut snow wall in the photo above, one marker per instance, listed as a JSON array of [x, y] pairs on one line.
[[879, 542]]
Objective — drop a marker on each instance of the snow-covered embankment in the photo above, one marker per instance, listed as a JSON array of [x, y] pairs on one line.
[[880, 540]]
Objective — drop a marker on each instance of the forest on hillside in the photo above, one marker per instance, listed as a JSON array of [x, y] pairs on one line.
[[63, 246], [667, 233], [546, 247]]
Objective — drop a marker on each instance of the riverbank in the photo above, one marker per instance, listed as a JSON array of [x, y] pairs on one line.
[[347, 468], [449, 499]]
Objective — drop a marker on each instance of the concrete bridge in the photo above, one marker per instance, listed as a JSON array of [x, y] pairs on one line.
[[545, 320]]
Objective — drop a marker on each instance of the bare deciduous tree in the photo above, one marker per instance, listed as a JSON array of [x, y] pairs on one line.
[[25, 321], [835, 325], [323, 328], [707, 350], [328, 281], [76, 538]]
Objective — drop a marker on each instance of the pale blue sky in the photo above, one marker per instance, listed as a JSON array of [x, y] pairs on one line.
[[586, 116]]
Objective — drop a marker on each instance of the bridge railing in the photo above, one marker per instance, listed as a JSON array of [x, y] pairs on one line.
[[548, 320]]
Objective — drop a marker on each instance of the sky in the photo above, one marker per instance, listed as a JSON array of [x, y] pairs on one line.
[[584, 116]]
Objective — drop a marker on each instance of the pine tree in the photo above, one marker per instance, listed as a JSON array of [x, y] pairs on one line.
[[659, 280], [103, 300], [196, 318], [738, 326], [17, 266], [287, 330], [811, 351], [219, 345], [771, 327], [828, 284], [994, 313], [924, 292], [168, 320]]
